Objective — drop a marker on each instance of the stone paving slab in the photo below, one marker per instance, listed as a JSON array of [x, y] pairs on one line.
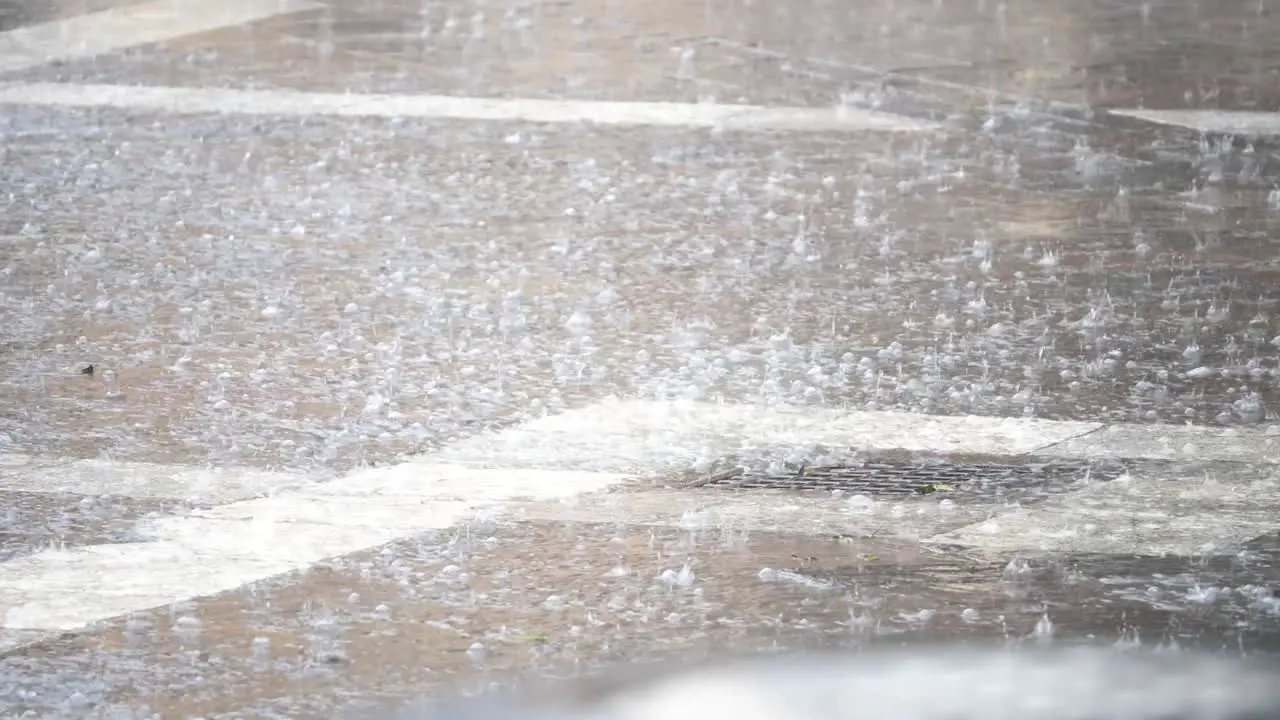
[[325, 293], [1100, 55], [460, 610], [1020, 301], [546, 52], [275, 360], [631, 447]]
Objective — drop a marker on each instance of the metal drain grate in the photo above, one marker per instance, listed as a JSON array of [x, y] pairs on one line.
[[913, 477]]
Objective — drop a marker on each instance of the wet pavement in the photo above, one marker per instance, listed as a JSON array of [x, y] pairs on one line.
[[277, 300], [460, 611]]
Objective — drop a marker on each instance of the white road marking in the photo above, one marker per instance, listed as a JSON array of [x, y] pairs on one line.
[[229, 546], [178, 100], [1146, 513], [103, 32], [141, 480], [1231, 122], [1175, 442], [581, 451], [641, 437]]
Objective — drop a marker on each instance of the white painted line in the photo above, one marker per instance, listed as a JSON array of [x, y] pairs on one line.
[[85, 36], [582, 451], [229, 546], [143, 480], [1231, 122], [179, 100], [640, 436], [1183, 514], [1176, 442]]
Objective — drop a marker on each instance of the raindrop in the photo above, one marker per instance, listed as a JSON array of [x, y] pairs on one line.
[[1017, 569], [682, 578], [1204, 596], [579, 323], [374, 404], [187, 627], [1044, 629], [1250, 409], [861, 503], [921, 617], [261, 647]]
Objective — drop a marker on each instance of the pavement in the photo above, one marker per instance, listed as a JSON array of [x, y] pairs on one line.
[[351, 352]]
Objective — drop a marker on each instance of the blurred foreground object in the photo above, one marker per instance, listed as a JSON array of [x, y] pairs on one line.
[[920, 684]]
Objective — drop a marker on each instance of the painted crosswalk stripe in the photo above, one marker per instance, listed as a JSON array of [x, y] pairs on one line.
[[637, 437], [562, 456], [1229, 122], [179, 100], [239, 543], [85, 36]]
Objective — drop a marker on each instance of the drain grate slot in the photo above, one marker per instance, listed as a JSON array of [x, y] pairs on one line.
[[910, 477]]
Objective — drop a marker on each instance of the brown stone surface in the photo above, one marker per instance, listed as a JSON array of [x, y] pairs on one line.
[[540, 599], [483, 604], [313, 293]]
